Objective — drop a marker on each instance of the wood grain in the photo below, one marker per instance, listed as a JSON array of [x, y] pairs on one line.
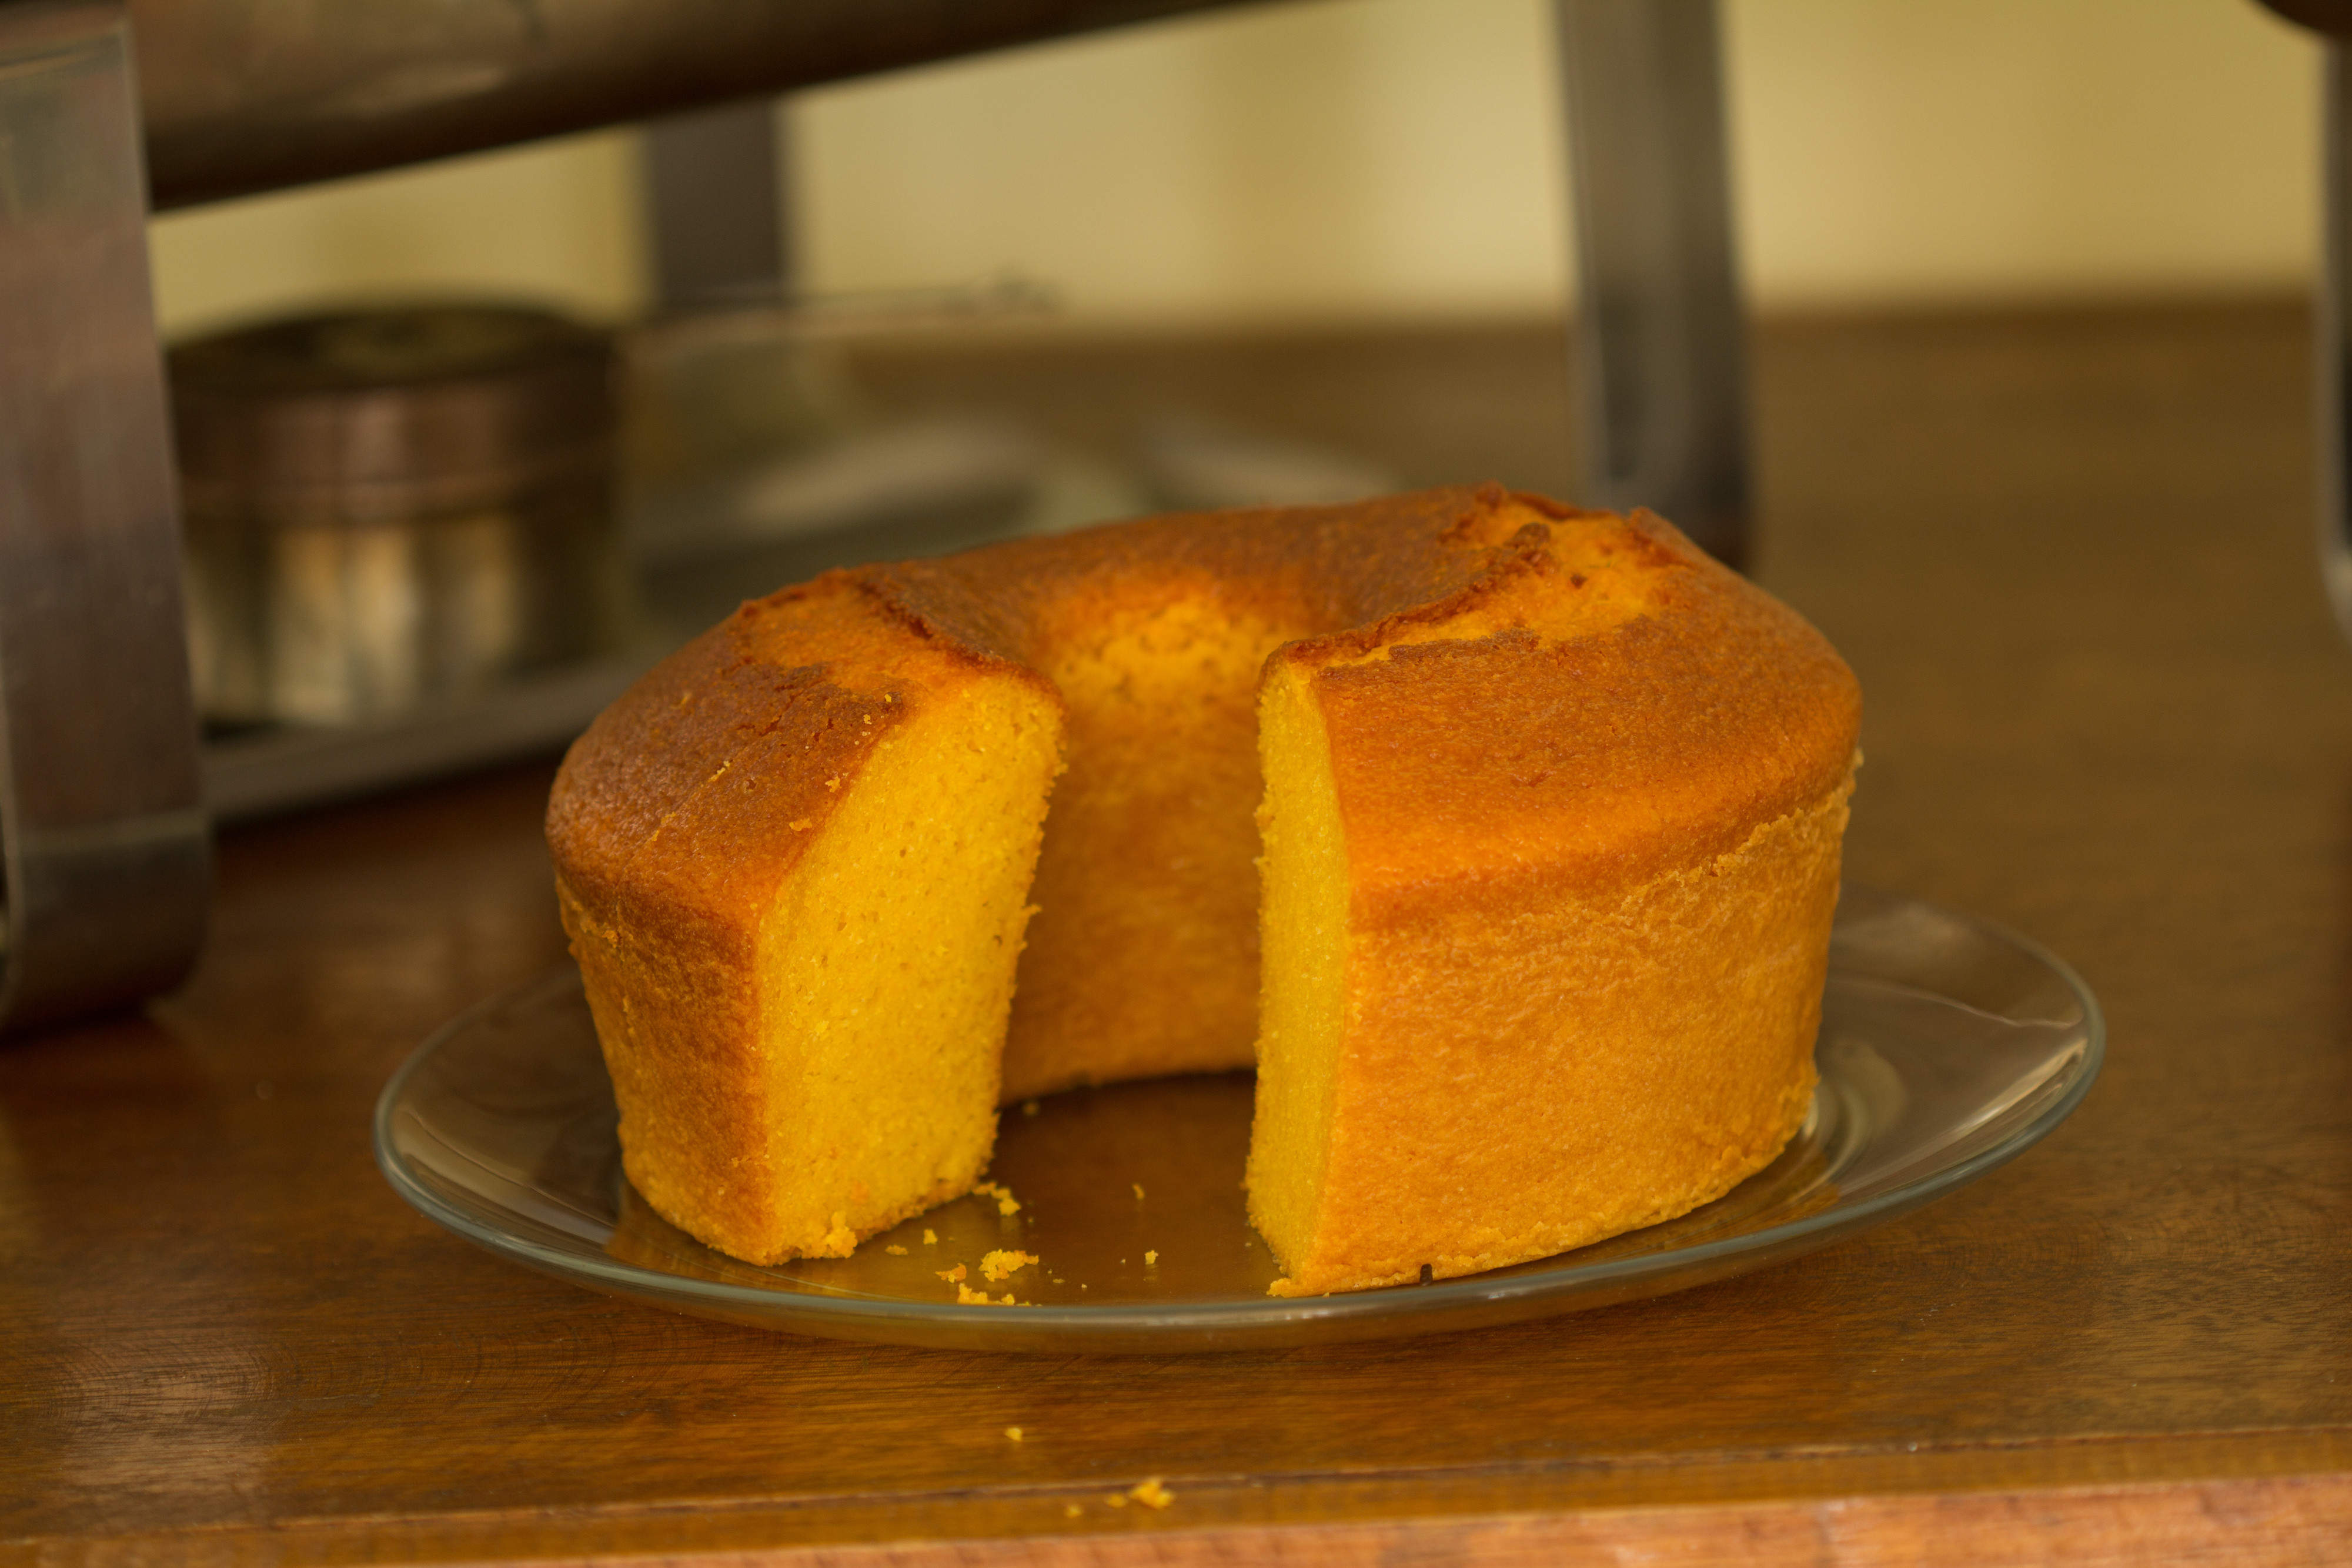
[[2069, 556]]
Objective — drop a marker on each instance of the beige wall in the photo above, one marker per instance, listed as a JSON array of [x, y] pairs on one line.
[[556, 221], [1935, 149], [1352, 157]]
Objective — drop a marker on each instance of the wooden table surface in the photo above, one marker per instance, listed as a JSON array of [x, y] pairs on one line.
[[2069, 556]]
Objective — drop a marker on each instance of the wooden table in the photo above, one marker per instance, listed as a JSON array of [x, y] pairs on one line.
[[2069, 556]]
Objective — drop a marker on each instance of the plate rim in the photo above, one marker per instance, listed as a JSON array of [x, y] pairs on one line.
[[1209, 1318]]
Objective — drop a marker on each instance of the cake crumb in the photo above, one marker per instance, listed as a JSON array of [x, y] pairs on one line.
[[1013, 1433], [954, 1274], [1150, 1493], [1151, 1260], [1117, 1500], [800, 824], [1071, 1511], [930, 1237], [895, 1249], [967, 1297], [996, 1266], [1139, 1192], [1006, 1204]]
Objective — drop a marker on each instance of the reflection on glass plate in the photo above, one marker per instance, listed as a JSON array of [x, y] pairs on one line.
[[1946, 1047]]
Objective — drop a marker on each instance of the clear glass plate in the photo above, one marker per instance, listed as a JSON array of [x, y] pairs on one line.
[[1947, 1047]]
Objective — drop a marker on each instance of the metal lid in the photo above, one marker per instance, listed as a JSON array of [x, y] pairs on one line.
[[371, 415]]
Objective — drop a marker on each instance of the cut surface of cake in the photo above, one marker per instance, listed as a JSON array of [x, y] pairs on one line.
[[1547, 806]]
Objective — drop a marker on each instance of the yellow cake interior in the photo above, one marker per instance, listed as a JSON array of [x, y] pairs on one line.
[[1143, 958], [1305, 887], [887, 967]]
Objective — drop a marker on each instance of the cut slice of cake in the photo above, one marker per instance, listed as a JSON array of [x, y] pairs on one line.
[[796, 869]]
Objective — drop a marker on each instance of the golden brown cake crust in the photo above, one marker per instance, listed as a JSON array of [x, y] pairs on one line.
[[664, 803], [794, 699], [1322, 568], [1593, 762]]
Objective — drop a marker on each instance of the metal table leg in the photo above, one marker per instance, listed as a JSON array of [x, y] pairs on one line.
[[717, 202], [107, 850], [1660, 342], [2335, 342]]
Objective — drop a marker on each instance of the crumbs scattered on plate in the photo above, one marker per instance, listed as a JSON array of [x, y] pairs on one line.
[[967, 1297]]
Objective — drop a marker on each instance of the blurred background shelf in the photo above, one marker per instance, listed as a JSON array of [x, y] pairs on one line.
[[1296, 253]]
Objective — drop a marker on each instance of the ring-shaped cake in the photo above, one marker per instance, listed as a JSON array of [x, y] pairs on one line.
[[1500, 837]]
